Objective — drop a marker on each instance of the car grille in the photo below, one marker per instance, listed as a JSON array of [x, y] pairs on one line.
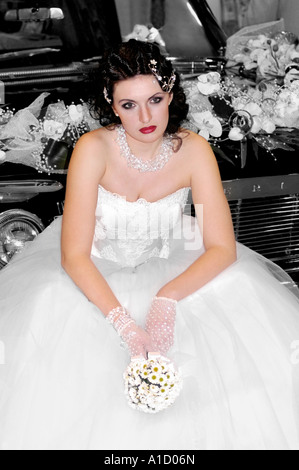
[[269, 226], [265, 213]]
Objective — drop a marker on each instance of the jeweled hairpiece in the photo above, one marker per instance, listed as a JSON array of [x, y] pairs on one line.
[[167, 82], [106, 96]]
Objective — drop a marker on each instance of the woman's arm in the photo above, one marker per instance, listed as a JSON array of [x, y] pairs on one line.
[[85, 172], [217, 228]]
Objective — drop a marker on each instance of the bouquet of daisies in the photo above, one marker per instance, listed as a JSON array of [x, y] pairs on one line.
[[152, 385]]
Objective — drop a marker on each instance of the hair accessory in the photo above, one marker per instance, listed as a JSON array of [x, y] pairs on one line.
[[109, 100], [167, 83]]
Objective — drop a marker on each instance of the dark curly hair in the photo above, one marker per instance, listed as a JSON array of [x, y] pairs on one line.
[[128, 60]]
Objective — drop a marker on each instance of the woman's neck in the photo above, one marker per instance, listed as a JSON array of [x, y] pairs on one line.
[[144, 150]]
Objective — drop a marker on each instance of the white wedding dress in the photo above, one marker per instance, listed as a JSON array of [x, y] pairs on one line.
[[61, 377]]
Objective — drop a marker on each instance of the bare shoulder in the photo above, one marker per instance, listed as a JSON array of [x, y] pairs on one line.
[[93, 142], [193, 143], [197, 151], [90, 152], [203, 169]]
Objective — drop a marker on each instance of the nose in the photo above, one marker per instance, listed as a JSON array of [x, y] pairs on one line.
[[145, 115]]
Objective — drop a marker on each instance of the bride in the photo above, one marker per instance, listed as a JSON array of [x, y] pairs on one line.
[[127, 264]]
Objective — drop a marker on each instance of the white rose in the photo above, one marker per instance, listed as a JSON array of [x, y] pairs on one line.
[[54, 129], [76, 112], [253, 109], [268, 125], [295, 86], [257, 125], [236, 134], [239, 103]]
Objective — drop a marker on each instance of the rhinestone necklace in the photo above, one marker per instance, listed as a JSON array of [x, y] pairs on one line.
[[156, 164]]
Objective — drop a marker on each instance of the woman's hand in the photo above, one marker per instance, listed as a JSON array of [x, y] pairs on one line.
[[137, 340], [160, 323]]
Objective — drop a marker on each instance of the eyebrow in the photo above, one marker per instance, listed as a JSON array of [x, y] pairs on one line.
[[132, 101]]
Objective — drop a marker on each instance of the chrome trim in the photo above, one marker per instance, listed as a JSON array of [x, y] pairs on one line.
[[21, 191], [26, 53], [193, 67], [30, 186], [264, 186], [75, 68], [20, 214], [40, 81]]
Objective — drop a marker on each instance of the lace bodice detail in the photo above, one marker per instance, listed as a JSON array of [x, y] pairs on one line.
[[130, 233]]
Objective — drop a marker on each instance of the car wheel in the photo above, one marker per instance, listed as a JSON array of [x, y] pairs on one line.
[[17, 229]]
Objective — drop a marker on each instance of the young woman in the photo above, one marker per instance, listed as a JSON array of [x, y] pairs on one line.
[[167, 282]]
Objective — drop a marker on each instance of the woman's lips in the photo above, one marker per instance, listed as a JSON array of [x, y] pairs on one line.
[[148, 130]]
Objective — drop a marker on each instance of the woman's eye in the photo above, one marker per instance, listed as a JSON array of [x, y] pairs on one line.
[[128, 105], [157, 100]]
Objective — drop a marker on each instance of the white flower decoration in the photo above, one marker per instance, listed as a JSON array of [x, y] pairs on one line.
[[145, 374], [248, 62], [76, 113], [242, 104], [263, 123], [236, 134], [157, 369], [295, 86], [208, 124], [286, 109], [209, 83], [144, 389], [2, 156], [154, 378], [54, 129], [261, 42], [155, 391], [132, 393], [253, 109]]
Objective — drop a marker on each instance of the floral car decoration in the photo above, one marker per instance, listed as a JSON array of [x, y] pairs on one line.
[[221, 109]]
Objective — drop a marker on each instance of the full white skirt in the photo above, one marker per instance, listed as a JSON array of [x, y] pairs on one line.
[[61, 364]]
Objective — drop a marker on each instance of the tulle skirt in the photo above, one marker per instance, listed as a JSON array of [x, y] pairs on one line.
[[61, 364]]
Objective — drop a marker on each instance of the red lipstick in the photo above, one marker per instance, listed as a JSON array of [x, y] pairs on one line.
[[148, 130]]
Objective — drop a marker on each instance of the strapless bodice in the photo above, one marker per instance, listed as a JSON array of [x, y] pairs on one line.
[[130, 233]]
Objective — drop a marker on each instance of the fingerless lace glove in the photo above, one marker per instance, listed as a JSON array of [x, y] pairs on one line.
[[160, 323], [136, 339]]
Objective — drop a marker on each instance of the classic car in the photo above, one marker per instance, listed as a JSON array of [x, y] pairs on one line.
[[43, 48], [52, 46]]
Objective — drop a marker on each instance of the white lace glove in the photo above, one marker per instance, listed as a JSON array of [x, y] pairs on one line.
[[160, 323], [136, 339]]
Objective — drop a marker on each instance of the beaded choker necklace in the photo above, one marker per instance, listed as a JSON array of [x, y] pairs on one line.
[[155, 164]]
